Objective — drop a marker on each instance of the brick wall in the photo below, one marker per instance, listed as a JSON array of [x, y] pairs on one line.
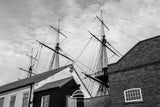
[[147, 78], [101, 101]]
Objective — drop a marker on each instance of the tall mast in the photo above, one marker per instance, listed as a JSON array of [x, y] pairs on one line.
[[31, 65], [103, 48], [57, 46], [55, 56], [101, 74], [103, 62]]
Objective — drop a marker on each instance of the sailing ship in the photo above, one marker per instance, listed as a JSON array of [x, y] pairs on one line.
[[99, 75]]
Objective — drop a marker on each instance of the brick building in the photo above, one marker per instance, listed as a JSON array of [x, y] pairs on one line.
[[135, 78]]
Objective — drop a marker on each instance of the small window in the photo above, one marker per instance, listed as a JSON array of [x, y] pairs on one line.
[[12, 101], [25, 99], [1, 101], [133, 95], [45, 101]]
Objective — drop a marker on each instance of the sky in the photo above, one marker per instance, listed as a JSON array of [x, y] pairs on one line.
[[22, 22]]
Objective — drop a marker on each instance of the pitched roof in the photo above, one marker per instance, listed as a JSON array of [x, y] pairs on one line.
[[54, 84], [31, 80], [144, 52]]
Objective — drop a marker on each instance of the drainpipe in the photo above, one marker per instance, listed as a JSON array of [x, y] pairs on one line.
[[30, 95]]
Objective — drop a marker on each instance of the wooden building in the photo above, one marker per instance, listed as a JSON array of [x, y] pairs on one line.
[[20, 93], [54, 94], [135, 78]]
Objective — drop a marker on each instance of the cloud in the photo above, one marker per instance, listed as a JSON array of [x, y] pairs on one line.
[[10, 60], [22, 22]]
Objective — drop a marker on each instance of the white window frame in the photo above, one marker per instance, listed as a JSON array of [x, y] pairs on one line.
[[132, 95], [42, 100], [14, 100], [4, 99], [27, 92]]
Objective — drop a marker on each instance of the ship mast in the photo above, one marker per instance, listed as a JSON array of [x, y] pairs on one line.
[[102, 63], [101, 74], [32, 63], [55, 57], [104, 56]]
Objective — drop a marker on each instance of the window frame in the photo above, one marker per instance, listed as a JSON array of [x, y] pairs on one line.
[[27, 92], [3, 97], [14, 95], [133, 95], [42, 100]]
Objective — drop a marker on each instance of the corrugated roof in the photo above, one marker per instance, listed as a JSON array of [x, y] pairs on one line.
[[31, 80], [54, 84], [144, 52]]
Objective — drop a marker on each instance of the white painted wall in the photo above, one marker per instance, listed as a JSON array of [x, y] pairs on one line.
[[19, 96], [19, 93]]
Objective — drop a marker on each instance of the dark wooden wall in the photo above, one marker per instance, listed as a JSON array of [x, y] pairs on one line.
[[57, 95]]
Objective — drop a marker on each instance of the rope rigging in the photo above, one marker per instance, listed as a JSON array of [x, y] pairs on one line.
[[75, 61], [84, 48], [108, 45], [124, 32], [123, 18]]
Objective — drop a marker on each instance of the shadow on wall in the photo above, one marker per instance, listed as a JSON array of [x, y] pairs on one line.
[[101, 101]]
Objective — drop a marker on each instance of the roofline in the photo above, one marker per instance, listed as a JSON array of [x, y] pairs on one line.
[[32, 82], [71, 78], [114, 64], [128, 52], [150, 38], [45, 89], [135, 46], [16, 88]]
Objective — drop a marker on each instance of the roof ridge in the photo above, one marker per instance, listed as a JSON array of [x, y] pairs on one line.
[[34, 75], [54, 84], [128, 59], [135, 46], [150, 38], [31, 80], [61, 79]]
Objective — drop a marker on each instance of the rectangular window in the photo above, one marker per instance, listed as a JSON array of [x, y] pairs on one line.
[[12, 101], [1, 101], [25, 99], [133, 95], [45, 101]]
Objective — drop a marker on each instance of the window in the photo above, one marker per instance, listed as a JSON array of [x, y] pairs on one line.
[[133, 95], [25, 99], [1, 101], [45, 101], [12, 101]]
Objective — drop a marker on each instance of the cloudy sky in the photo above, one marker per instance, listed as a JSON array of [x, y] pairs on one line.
[[24, 21]]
